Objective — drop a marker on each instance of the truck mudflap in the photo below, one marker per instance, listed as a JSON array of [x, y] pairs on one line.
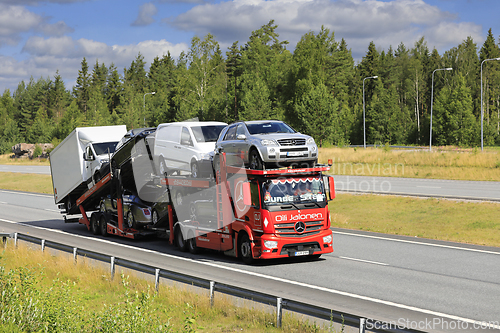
[[290, 247]]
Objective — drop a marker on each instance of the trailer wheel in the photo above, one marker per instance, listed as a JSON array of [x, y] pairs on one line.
[[191, 243], [245, 249], [94, 224], [179, 239], [103, 225]]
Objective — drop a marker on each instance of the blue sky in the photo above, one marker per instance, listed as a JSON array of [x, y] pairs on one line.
[[40, 37]]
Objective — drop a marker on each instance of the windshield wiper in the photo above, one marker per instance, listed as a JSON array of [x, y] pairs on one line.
[[290, 203]]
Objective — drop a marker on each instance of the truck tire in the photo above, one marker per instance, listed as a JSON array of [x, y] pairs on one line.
[[180, 241], [191, 243], [103, 225], [94, 224], [245, 249]]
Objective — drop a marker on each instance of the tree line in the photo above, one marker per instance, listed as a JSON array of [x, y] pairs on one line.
[[318, 89]]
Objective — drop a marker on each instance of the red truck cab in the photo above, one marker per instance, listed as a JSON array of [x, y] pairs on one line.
[[264, 214]]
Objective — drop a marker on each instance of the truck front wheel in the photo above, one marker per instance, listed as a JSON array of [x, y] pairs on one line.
[[180, 240], [191, 243], [245, 249]]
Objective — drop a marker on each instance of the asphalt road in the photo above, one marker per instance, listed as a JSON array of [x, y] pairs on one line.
[[441, 188], [37, 169], [397, 279]]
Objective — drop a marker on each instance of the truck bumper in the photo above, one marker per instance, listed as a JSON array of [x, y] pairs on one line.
[[293, 247]]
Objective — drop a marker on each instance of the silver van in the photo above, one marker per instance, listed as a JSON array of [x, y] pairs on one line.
[[185, 146]]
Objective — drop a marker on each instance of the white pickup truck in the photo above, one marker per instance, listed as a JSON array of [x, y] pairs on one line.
[[75, 163]]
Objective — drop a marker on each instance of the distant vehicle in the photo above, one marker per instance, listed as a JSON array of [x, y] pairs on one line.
[[185, 146], [135, 211], [76, 162], [266, 143]]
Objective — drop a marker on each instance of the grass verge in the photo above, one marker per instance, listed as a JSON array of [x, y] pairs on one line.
[[441, 163], [42, 292], [6, 159], [457, 221], [26, 182]]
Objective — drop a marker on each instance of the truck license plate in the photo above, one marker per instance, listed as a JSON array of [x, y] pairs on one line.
[[294, 153], [301, 253]]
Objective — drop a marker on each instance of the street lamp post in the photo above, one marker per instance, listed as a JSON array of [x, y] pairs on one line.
[[144, 105], [432, 98], [482, 98], [364, 122]]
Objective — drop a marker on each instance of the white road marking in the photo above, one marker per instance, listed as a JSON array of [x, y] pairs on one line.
[[332, 291], [418, 243], [429, 186], [367, 261], [26, 193]]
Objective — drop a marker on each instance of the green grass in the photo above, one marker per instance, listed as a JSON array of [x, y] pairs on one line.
[[458, 221], [41, 292], [441, 163], [26, 182]]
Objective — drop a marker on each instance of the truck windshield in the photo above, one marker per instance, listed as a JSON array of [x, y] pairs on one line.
[[295, 190], [102, 148], [207, 133]]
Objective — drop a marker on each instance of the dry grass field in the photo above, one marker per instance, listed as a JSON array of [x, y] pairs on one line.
[[449, 163], [457, 221]]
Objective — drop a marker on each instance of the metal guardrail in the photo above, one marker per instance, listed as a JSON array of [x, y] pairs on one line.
[[212, 286]]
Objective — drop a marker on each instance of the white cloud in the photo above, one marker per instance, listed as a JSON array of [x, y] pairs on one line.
[[47, 55], [15, 20], [357, 21], [145, 16]]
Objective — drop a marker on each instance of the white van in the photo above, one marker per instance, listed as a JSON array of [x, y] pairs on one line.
[[185, 146]]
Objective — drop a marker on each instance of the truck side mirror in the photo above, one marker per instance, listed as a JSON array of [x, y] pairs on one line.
[[247, 194], [241, 137], [331, 186]]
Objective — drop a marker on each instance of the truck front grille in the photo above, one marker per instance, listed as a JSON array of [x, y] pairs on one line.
[[288, 229]]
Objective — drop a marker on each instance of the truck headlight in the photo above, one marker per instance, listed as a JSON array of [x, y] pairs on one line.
[[310, 141], [327, 239], [270, 244]]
